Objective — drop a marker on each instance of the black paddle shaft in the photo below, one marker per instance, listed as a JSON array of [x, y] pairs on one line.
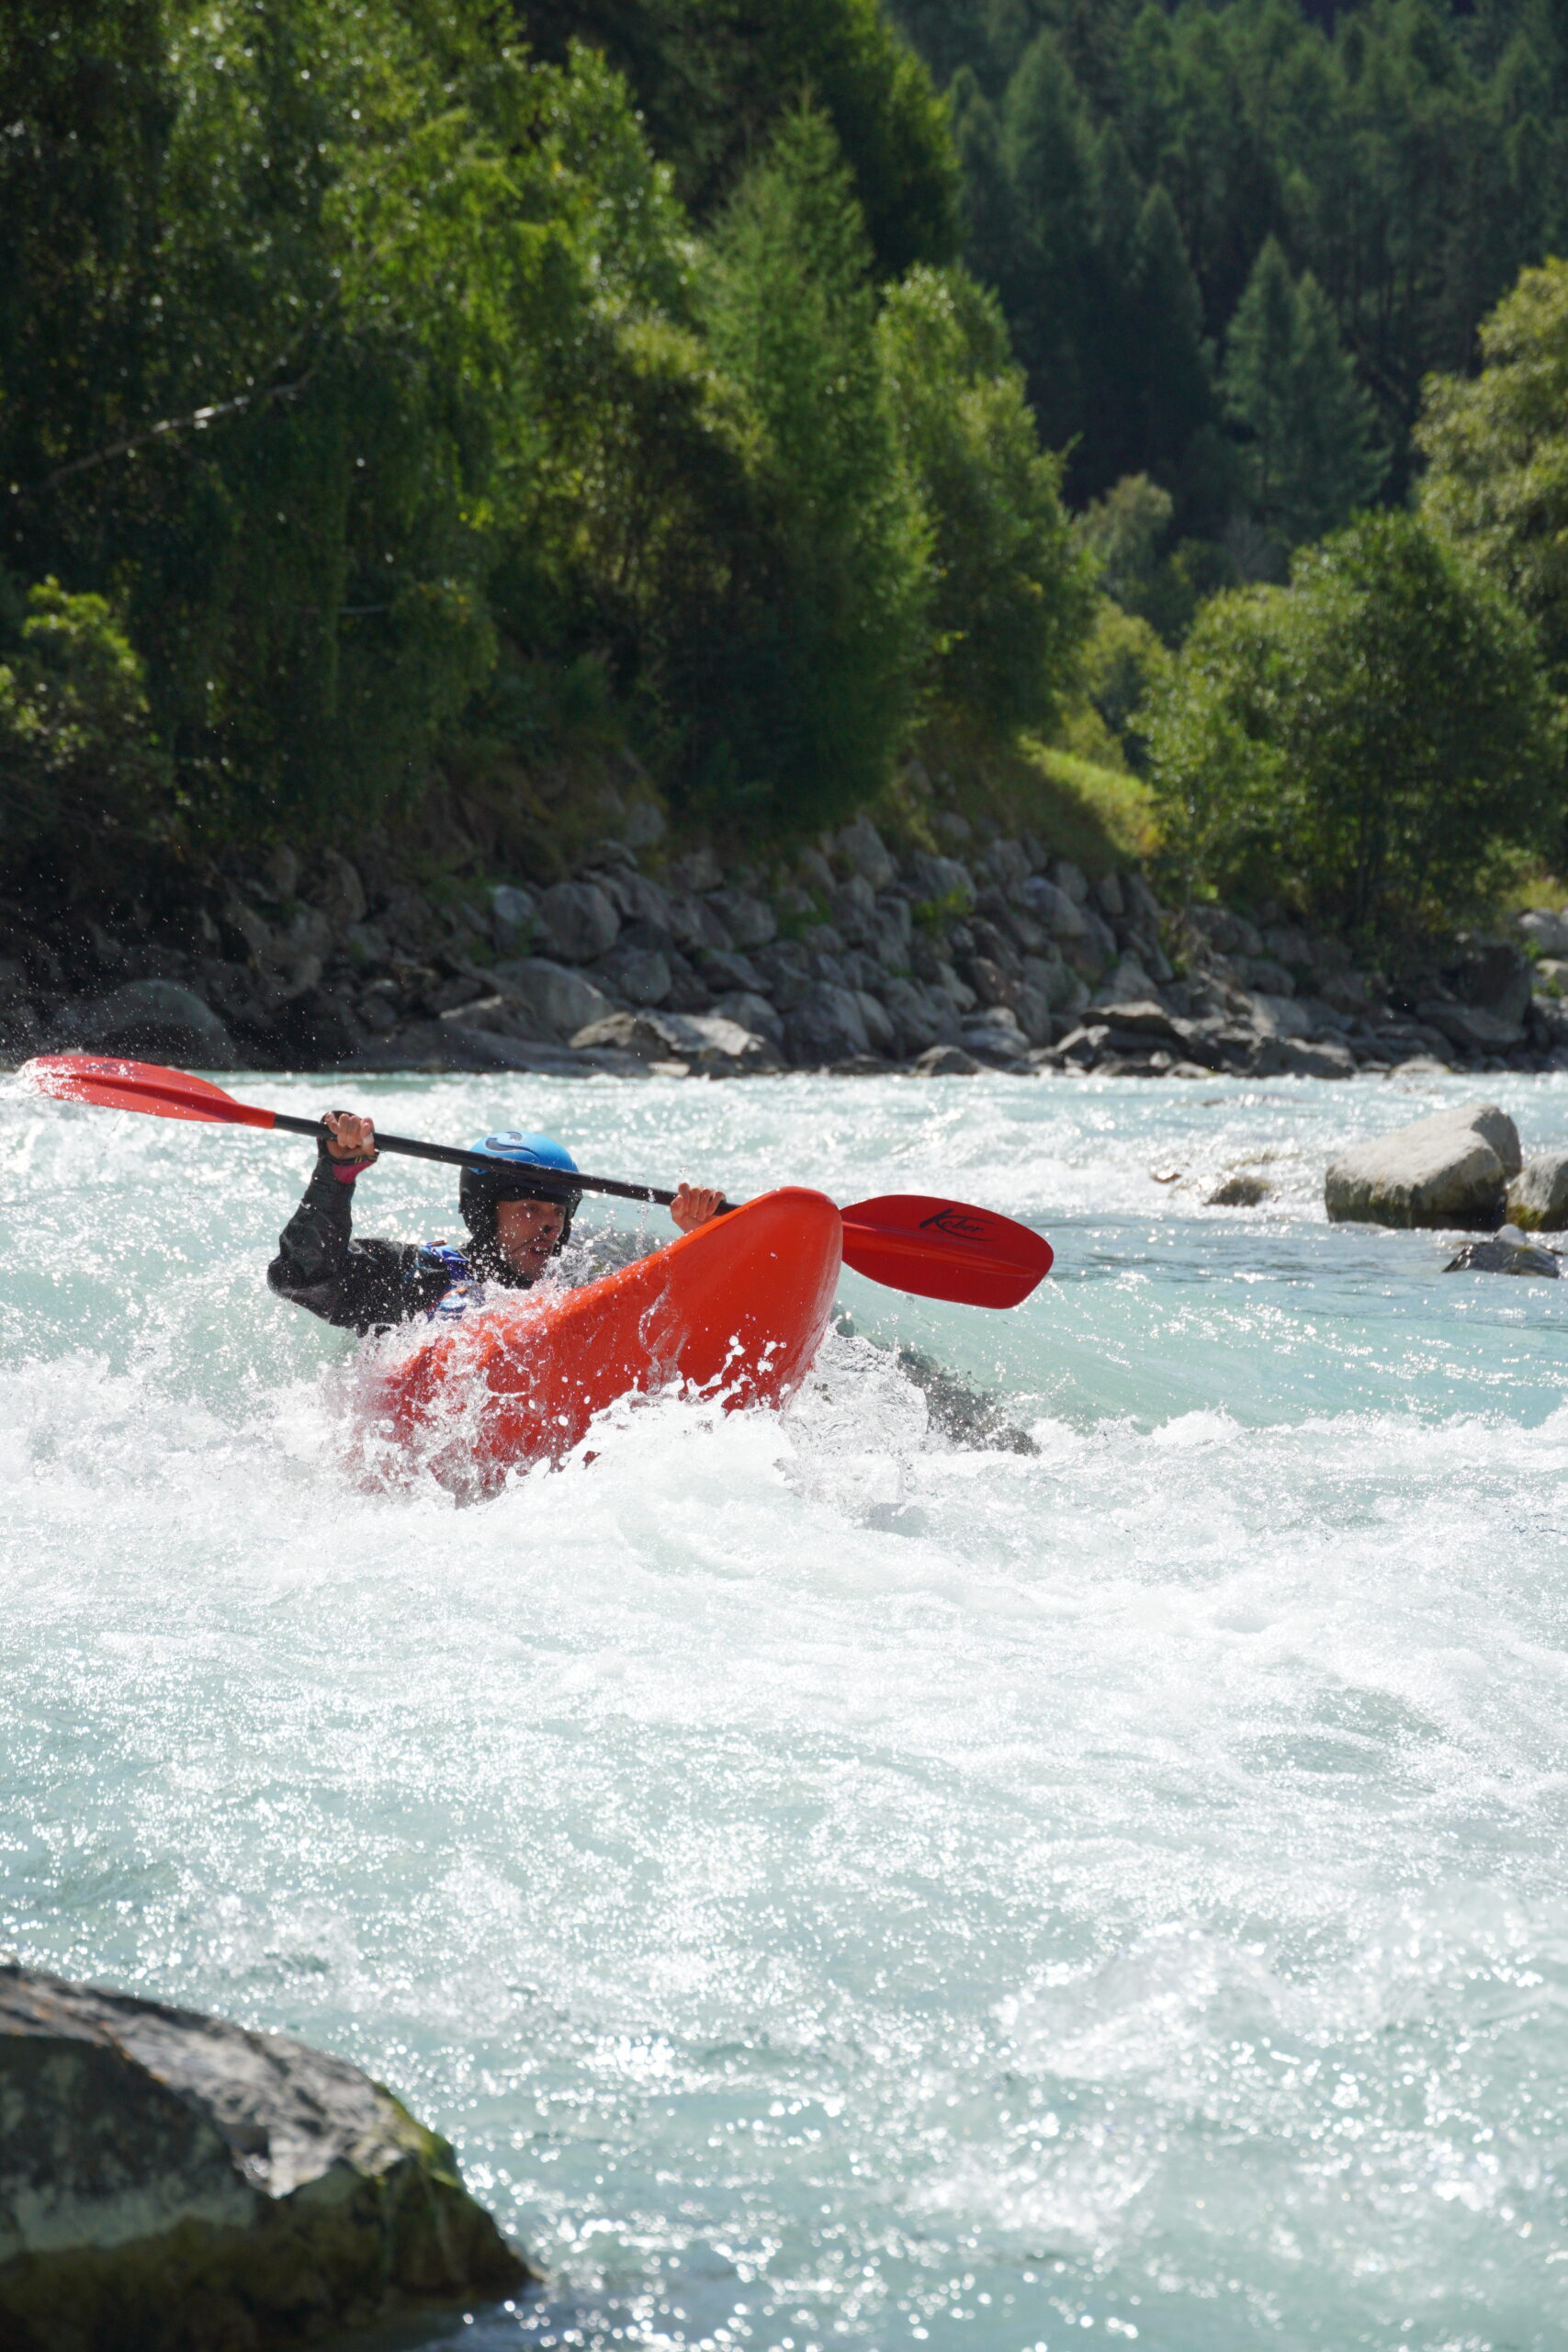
[[554, 1183]]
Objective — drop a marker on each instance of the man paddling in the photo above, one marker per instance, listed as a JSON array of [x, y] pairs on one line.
[[517, 1222]]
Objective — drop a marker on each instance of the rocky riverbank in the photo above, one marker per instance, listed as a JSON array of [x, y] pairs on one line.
[[858, 955]]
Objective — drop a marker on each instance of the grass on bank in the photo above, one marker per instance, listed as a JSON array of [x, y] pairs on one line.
[[1100, 816]]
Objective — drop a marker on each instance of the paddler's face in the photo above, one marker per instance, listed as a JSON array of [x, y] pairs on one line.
[[527, 1231]]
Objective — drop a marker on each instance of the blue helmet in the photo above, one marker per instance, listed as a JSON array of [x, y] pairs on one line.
[[512, 1154]]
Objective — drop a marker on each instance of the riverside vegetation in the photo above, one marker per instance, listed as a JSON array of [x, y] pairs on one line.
[[627, 536]]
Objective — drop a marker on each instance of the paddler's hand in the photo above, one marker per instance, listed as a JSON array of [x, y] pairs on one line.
[[349, 1138], [694, 1204]]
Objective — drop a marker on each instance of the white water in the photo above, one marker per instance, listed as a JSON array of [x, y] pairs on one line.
[[838, 1889]]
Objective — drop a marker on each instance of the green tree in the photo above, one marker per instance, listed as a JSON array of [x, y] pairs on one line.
[[1498, 455], [1010, 603], [803, 685], [1311, 458], [318, 260], [1120, 535], [1375, 736]]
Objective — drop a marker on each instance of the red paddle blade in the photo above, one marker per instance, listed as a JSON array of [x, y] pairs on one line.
[[944, 1250], [136, 1086]]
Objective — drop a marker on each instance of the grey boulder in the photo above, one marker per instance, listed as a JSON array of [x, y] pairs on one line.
[[921, 1018], [1472, 1026], [575, 922], [169, 2180], [1127, 980], [1318, 1057], [1051, 905], [638, 975], [1239, 1192], [946, 1062], [635, 899], [342, 892], [705, 1041], [827, 1026], [879, 1023], [749, 1011], [1545, 930], [546, 999], [997, 1037], [156, 1020], [1538, 1198], [1450, 1170], [863, 845], [1143, 1016], [512, 911], [941, 881], [750, 922]]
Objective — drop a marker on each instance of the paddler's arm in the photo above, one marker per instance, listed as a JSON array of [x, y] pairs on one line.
[[355, 1285]]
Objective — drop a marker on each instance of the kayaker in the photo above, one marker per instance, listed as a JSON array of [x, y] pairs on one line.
[[513, 1230]]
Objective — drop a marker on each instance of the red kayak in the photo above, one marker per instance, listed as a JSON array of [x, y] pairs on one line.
[[735, 1311]]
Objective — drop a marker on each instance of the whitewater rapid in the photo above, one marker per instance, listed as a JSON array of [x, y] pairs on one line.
[[838, 1884]]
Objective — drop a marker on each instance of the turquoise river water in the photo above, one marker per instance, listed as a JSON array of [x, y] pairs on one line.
[[837, 1884]]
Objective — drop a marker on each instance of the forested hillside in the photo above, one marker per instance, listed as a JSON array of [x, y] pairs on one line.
[[1233, 239], [398, 391]]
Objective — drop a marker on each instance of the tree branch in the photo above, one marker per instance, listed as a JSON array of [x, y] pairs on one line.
[[197, 421]]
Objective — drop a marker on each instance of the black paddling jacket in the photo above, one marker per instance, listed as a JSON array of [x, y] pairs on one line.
[[366, 1285]]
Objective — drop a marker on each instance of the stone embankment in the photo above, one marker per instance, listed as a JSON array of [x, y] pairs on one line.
[[995, 953], [170, 2181]]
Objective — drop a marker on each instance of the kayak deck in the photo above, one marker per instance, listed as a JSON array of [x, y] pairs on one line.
[[734, 1311]]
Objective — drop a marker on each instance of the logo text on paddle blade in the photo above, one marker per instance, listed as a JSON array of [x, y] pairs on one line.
[[955, 1221]]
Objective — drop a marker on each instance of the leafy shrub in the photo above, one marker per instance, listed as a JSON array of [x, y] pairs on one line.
[[79, 770], [1124, 663], [1374, 737], [1498, 453]]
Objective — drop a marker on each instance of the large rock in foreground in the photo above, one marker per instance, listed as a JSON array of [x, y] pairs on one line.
[[171, 2182], [1450, 1170]]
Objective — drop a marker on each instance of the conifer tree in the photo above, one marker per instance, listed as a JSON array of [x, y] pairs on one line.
[[1047, 157], [1337, 465], [1175, 386], [1311, 458], [985, 209], [1259, 353]]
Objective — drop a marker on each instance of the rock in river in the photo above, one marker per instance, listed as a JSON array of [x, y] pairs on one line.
[[1450, 1170], [1538, 1198], [1502, 1257], [170, 2181]]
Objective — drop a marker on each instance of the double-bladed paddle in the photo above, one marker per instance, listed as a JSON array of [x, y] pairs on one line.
[[910, 1241]]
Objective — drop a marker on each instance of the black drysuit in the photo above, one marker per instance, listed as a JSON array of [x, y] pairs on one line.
[[369, 1285]]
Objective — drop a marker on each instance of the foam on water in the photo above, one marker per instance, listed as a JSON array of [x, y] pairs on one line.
[[836, 1884]]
